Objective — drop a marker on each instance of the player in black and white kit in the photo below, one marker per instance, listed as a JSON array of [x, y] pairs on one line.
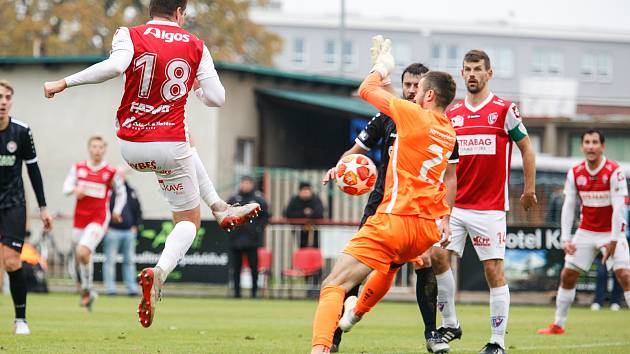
[[382, 128], [16, 145]]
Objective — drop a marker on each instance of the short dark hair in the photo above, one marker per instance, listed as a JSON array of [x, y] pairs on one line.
[[165, 8], [589, 131], [304, 185], [477, 55], [414, 69], [97, 138], [443, 84]]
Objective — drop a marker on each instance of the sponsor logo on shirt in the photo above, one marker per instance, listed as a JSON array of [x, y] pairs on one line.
[[477, 144], [499, 102], [474, 116], [493, 117], [481, 241], [595, 199], [11, 146], [177, 188], [144, 166], [168, 37], [7, 160], [93, 189], [457, 121], [147, 108]]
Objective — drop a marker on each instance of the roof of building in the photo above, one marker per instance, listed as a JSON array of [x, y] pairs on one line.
[[433, 26], [339, 103], [221, 66]]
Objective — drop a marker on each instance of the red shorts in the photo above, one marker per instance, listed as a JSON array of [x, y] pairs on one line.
[[387, 239]]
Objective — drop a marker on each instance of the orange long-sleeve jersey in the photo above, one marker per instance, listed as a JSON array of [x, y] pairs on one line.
[[414, 182]]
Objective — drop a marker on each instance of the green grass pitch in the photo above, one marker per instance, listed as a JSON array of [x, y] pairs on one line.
[[191, 325]]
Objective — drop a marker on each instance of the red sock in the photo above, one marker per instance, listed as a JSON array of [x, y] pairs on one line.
[[327, 315], [373, 291]]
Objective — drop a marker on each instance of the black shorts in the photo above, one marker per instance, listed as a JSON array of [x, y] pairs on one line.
[[13, 227]]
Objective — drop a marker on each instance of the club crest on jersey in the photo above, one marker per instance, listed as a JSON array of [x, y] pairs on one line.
[[605, 179], [106, 176], [457, 121], [516, 112], [82, 173], [581, 181], [11, 146], [493, 117], [497, 321]]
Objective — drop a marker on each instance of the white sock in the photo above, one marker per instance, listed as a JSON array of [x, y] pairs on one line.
[[499, 311], [177, 244], [564, 299], [446, 299], [206, 188], [626, 294], [86, 273]]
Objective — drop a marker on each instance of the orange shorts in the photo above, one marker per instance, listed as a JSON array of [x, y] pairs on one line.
[[387, 239]]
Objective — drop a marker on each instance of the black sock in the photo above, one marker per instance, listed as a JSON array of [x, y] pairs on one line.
[[18, 292], [426, 295]]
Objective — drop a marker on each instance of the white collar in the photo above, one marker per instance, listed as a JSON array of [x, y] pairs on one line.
[[96, 167], [481, 105], [160, 22], [596, 170]]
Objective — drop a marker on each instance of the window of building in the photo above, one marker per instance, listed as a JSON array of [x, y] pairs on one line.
[[604, 68], [436, 57], [349, 56], [587, 67], [244, 157], [547, 62], [330, 52], [502, 61], [453, 59], [596, 67], [402, 53], [298, 56]]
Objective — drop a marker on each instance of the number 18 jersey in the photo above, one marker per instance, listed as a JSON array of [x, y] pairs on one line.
[[162, 71]]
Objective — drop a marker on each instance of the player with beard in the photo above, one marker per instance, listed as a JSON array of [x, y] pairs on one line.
[[486, 127], [381, 128]]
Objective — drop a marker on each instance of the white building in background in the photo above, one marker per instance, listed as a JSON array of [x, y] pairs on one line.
[[564, 80]]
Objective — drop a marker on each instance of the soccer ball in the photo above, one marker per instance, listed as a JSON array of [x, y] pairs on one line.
[[356, 174]]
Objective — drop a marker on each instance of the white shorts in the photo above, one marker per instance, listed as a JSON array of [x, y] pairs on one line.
[[89, 237], [588, 244], [172, 163], [486, 229]]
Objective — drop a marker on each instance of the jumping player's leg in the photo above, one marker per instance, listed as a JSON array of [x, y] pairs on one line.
[[346, 273], [227, 216]]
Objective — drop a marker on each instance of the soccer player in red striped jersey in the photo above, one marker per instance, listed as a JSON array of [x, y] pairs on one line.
[[487, 126], [162, 62], [91, 182], [601, 186]]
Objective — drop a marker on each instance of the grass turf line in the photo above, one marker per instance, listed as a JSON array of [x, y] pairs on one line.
[[186, 325]]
